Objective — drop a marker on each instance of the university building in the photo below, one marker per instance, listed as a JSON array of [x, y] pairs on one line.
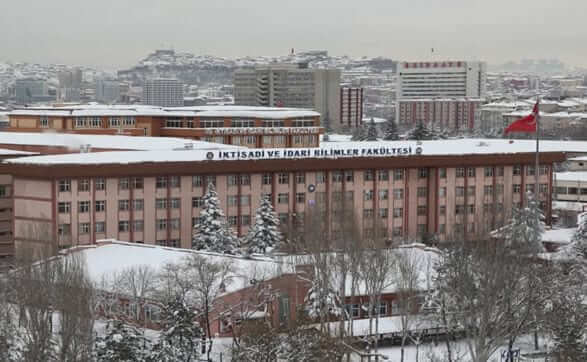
[[256, 127], [401, 189]]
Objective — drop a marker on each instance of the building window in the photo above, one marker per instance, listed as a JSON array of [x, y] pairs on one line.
[[65, 185], [245, 200], [138, 225], [471, 171], [543, 170], [398, 174], [283, 178], [398, 212], [543, 188], [283, 217], [320, 177], [232, 180], [442, 192], [471, 191], [161, 224], [64, 207], [123, 205], [300, 178], [161, 182], [64, 229], [442, 210], [459, 209], [83, 185], [383, 175], [123, 183], [488, 190], [197, 201], [499, 171], [488, 171], [442, 228], [442, 172], [232, 220], [422, 172], [83, 206], [114, 122], [44, 122], [368, 213], [175, 203], [422, 191], [398, 194], [530, 188], [530, 170], [383, 194], [174, 224], [138, 204], [368, 195], [197, 181], [137, 182], [283, 198], [267, 179], [349, 176], [231, 200], [471, 209], [460, 172], [161, 203], [123, 226], [368, 175], [174, 181], [100, 205], [210, 179], [397, 231], [99, 183], [245, 220], [300, 197], [100, 226], [517, 170], [460, 191], [84, 228], [421, 210], [337, 176]]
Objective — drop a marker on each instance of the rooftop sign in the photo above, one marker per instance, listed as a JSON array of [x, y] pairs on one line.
[[260, 130]]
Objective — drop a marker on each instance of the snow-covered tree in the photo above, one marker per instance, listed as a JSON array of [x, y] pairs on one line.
[[371, 131], [264, 235], [122, 342], [526, 226], [420, 133], [180, 340], [580, 237], [322, 300], [212, 233], [391, 132]]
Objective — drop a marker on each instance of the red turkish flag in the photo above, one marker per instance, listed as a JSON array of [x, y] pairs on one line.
[[526, 124]]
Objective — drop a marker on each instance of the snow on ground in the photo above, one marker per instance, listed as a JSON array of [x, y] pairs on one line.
[[561, 236]]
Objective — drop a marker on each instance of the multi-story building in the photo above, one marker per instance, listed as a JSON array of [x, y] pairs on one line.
[[446, 113], [351, 107], [402, 189], [29, 90], [290, 85], [70, 84], [258, 127], [457, 85], [163, 92], [107, 91]]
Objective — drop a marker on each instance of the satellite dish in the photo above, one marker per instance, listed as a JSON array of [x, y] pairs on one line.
[[311, 188]]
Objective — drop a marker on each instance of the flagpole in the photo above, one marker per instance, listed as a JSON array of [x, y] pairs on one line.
[[537, 170]]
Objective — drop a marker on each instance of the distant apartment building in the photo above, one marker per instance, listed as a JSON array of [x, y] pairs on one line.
[[163, 92], [107, 91], [30, 90], [290, 85], [351, 107], [458, 85], [70, 84]]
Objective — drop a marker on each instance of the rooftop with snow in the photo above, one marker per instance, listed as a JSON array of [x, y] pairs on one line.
[[95, 110], [327, 150]]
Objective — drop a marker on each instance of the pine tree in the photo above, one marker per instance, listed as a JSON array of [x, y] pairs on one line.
[[371, 131], [264, 235], [580, 237], [391, 133], [322, 300], [526, 226], [123, 343], [212, 232], [181, 338], [420, 133]]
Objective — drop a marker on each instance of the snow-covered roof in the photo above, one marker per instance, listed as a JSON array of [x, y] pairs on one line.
[[74, 141], [111, 257], [8, 152], [580, 176], [329, 150], [89, 110]]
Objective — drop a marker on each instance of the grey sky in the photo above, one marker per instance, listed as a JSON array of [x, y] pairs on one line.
[[117, 33]]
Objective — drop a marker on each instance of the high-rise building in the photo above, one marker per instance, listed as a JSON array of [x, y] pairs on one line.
[[290, 85], [70, 84], [441, 93], [441, 79], [351, 106], [107, 91], [163, 92], [29, 90]]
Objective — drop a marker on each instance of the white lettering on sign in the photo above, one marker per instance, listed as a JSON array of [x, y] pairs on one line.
[[269, 154], [260, 130]]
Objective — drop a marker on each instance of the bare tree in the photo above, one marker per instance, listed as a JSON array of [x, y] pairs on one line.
[[139, 284]]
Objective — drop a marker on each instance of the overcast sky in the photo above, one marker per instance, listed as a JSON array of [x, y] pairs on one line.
[[117, 33]]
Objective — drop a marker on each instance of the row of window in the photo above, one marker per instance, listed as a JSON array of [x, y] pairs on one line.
[[123, 226], [96, 122], [237, 123]]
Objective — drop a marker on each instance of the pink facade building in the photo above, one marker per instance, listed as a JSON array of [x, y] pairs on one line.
[[411, 189]]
